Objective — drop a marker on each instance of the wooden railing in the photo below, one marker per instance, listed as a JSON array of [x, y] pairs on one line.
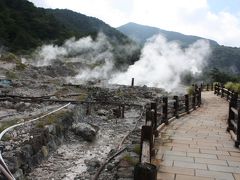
[[234, 111], [234, 119], [220, 90], [158, 114]]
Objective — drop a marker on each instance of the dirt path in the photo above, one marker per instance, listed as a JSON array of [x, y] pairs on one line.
[[197, 146]]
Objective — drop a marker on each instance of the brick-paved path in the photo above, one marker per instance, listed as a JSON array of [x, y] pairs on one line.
[[197, 146]]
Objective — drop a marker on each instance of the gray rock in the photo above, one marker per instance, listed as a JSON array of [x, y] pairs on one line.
[[94, 163], [102, 112], [86, 131], [19, 175], [52, 129], [110, 166]]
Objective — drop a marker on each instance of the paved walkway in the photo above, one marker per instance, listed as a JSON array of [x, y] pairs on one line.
[[197, 146]]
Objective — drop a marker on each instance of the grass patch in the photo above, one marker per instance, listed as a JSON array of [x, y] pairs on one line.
[[137, 149], [82, 97], [130, 160], [190, 90], [6, 137], [6, 124], [51, 119], [20, 66], [11, 75], [233, 86], [10, 58]]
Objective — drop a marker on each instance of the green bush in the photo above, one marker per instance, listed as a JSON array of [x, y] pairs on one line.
[[11, 75], [5, 125], [52, 119], [137, 149], [190, 90], [229, 85], [233, 86], [130, 159]]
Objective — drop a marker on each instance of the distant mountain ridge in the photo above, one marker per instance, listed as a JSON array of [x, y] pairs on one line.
[[140, 33]]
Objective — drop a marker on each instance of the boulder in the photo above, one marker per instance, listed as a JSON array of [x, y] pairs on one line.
[[86, 131], [102, 112]]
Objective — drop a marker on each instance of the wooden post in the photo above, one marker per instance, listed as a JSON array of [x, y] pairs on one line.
[[154, 107], [237, 143], [199, 98], [122, 110], [194, 100], [88, 109], [218, 89], [207, 87], [145, 171], [222, 91], [215, 89], [233, 103], [147, 135], [132, 82], [201, 86], [165, 110], [176, 106], [187, 103], [148, 115]]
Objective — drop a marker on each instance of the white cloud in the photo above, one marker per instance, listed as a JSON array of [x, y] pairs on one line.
[[186, 16]]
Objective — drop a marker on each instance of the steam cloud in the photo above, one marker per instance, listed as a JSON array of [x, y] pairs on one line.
[[95, 56], [162, 63]]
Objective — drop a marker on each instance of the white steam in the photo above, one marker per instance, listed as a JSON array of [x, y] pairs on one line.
[[162, 63], [95, 57]]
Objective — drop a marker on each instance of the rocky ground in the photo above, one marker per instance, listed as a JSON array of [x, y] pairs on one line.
[[72, 146]]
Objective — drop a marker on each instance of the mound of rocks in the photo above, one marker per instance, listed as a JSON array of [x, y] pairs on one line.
[[86, 131]]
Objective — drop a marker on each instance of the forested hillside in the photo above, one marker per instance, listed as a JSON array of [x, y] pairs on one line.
[[82, 24], [24, 26]]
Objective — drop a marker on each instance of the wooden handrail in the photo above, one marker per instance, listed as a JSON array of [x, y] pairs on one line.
[[234, 112], [144, 169]]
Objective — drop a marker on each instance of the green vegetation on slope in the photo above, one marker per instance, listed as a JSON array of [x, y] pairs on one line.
[[23, 26], [84, 25]]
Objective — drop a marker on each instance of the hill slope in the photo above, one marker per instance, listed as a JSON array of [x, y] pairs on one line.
[[82, 24], [24, 26], [141, 33]]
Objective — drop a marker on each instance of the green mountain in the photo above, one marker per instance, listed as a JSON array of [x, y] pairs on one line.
[[24, 26], [141, 33], [82, 24]]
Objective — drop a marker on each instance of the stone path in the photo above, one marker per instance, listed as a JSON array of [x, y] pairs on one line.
[[197, 146]]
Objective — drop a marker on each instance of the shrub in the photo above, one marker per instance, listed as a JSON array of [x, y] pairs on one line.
[[190, 90], [229, 85], [233, 86], [137, 149], [11, 75], [130, 159], [51, 119]]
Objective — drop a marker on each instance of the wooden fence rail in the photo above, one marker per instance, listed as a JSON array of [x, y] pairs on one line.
[[234, 111], [156, 115]]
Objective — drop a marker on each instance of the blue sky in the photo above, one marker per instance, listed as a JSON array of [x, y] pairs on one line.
[[214, 19], [232, 6]]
